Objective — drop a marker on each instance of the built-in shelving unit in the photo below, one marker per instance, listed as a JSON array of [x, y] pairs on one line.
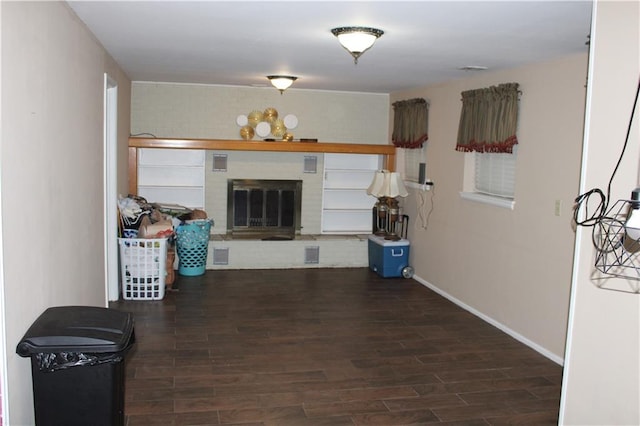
[[172, 176], [135, 144], [346, 207]]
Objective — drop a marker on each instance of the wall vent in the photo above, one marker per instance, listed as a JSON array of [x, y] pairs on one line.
[[219, 162], [221, 256], [310, 164], [312, 255]]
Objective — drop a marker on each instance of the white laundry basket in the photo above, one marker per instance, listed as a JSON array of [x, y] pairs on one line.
[[143, 268]]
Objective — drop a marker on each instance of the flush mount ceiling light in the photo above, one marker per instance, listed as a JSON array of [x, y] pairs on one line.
[[473, 68], [357, 40], [281, 82]]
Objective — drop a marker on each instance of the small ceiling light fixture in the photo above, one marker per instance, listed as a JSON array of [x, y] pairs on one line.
[[473, 68], [281, 82], [357, 40]]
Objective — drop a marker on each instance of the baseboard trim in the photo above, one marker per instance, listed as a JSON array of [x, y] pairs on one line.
[[553, 357]]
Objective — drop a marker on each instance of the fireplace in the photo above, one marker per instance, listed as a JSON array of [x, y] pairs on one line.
[[264, 208]]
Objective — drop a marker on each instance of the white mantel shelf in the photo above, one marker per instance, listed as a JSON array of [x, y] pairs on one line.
[[389, 151]]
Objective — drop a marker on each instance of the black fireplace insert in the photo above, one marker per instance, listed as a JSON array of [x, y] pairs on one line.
[[264, 209]]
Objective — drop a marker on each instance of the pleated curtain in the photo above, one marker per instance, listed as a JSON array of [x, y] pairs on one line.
[[410, 123], [489, 119]]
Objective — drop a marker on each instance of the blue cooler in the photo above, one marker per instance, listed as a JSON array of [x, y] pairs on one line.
[[389, 258]]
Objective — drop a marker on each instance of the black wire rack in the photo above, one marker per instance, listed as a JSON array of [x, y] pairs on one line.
[[617, 254]]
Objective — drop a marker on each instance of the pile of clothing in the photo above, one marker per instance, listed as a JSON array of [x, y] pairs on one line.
[[142, 219]]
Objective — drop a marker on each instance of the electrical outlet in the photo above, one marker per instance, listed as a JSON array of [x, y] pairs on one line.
[[428, 184]]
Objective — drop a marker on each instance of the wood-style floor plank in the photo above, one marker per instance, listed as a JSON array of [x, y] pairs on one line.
[[326, 347]]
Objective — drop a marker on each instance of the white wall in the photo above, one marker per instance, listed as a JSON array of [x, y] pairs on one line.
[[512, 266], [52, 173], [602, 374]]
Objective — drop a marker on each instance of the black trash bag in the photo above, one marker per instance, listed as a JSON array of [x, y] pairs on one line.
[[62, 360]]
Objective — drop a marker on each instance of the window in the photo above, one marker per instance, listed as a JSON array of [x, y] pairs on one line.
[[490, 178], [410, 132], [495, 173], [412, 160], [488, 123]]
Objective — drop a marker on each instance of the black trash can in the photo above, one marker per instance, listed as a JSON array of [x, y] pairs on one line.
[[77, 364]]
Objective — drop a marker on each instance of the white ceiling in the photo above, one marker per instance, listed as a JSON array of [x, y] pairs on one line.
[[240, 42]]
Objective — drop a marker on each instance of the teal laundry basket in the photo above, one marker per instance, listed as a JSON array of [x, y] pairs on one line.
[[192, 244]]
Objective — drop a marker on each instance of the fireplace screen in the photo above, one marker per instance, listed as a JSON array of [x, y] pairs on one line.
[[266, 209]]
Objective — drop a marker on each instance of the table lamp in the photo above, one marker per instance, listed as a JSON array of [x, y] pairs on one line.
[[386, 186]]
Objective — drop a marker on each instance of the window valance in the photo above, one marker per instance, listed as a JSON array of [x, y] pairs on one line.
[[410, 123], [489, 119]]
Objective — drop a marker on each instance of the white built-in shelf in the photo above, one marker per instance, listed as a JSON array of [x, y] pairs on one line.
[[346, 207], [172, 176]]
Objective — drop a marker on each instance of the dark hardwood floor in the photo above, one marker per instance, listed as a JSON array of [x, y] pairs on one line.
[[326, 347]]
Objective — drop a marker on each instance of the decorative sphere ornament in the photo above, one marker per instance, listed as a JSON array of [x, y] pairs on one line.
[[290, 121], [288, 137], [242, 120], [277, 128], [270, 115], [246, 133], [262, 129], [254, 118]]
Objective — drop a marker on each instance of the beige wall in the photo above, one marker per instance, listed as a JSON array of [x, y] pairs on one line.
[[602, 374], [209, 112], [512, 267], [52, 173]]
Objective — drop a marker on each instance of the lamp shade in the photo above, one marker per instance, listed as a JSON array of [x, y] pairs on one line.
[[356, 42], [394, 185], [356, 39], [387, 184], [281, 82], [377, 184]]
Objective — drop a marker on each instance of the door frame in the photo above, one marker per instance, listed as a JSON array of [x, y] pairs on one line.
[[112, 290]]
